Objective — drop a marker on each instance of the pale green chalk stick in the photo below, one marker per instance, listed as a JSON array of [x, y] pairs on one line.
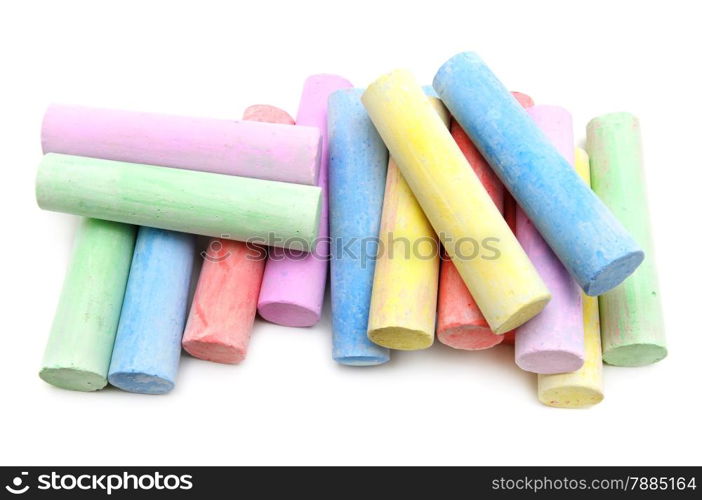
[[630, 314], [223, 206], [78, 353]]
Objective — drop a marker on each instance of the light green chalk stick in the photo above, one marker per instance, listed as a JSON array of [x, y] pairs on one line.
[[267, 212], [630, 314], [78, 353]]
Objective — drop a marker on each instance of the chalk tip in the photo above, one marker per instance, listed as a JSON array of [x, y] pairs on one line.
[[614, 273], [615, 119], [633, 355], [447, 68], [571, 397], [268, 114], [73, 379], [215, 351], [141, 383], [288, 314], [521, 315], [401, 338], [469, 338], [364, 360], [549, 362]]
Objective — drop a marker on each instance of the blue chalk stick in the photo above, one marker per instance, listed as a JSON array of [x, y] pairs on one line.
[[579, 228], [146, 354], [358, 163]]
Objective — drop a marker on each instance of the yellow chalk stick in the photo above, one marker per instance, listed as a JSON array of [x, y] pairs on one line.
[[499, 275], [405, 283], [584, 386]]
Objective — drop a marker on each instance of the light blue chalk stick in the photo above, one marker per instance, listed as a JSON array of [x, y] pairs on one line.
[[358, 163], [146, 354], [579, 228]]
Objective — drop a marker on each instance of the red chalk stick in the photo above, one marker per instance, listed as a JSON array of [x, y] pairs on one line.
[[224, 305], [461, 325]]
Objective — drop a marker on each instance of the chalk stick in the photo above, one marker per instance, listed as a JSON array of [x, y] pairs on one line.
[[224, 305], [504, 283], [460, 324], [595, 248], [358, 163], [405, 284], [146, 352], [582, 387], [247, 149], [633, 332], [238, 208], [553, 341], [292, 292], [78, 351]]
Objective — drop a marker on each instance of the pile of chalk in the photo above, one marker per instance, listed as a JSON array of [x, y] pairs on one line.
[[461, 211]]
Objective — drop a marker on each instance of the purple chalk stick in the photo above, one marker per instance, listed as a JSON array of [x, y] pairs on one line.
[[553, 341], [292, 291]]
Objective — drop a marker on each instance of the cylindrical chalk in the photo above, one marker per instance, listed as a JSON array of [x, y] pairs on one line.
[[633, 333], [403, 301], [510, 205], [78, 352], [553, 341], [582, 387], [496, 270], [292, 291], [146, 353], [358, 163], [595, 248], [460, 323], [238, 208], [247, 149], [224, 305]]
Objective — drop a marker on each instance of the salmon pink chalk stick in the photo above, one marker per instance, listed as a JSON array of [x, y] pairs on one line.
[[292, 291], [248, 149], [553, 341], [461, 325], [224, 305]]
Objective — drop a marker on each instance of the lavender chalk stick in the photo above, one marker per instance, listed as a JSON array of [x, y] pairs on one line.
[[292, 291], [553, 341], [358, 163], [248, 149]]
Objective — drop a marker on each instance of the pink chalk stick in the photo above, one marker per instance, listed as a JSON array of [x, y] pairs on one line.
[[245, 148], [460, 324], [292, 292], [553, 341], [224, 304]]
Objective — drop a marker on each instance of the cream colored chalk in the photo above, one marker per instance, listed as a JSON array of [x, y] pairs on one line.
[[504, 283], [405, 284], [584, 386]]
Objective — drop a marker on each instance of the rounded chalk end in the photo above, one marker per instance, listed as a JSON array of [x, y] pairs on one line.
[[403, 339], [141, 383], [73, 379], [614, 273], [469, 338], [550, 362], [634, 355], [288, 314], [521, 316], [523, 99], [216, 352], [367, 360], [571, 396], [267, 113]]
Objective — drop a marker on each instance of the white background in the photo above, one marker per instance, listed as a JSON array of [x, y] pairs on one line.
[[289, 403]]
